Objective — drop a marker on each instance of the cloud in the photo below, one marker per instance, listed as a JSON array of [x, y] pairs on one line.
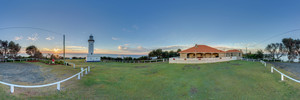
[[33, 38], [126, 30], [114, 38], [130, 29], [135, 27], [54, 50], [129, 49], [251, 47], [19, 38], [138, 49], [173, 47], [76, 47], [50, 38]]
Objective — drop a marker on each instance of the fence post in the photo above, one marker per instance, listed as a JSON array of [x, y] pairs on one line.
[[12, 90], [79, 76], [58, 86], [74, 66], [265, 64], [81, 71], [86, 71], [282, 77], [89, 68], [272, 69]]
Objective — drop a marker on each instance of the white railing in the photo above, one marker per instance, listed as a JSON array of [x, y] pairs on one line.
[[263, 62], [282, 74], [201, 60], [80, 74], [71, 64]]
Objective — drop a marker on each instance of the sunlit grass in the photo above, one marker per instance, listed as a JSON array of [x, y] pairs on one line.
[[227, 80]]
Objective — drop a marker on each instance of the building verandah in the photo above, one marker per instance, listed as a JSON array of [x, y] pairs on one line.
[[201, 55]]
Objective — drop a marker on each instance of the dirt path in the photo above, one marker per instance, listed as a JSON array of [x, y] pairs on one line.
[[21, 72], [294, 68]]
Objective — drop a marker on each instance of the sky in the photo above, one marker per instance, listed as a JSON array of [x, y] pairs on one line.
[[139, 26]]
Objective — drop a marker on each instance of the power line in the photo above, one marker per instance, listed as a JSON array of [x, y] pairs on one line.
[[276, 36], [4, 28]]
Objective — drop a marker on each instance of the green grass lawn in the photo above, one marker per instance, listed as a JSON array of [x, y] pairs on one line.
[[163, 81]]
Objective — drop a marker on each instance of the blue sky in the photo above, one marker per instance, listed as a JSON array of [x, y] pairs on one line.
[[137, 26]]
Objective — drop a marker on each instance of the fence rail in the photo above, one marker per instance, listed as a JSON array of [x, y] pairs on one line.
[[201, 60], [80, 74], [136, 61], [272, 71], [283, 75]]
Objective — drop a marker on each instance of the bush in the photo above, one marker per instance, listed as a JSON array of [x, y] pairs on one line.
[[59, 62]]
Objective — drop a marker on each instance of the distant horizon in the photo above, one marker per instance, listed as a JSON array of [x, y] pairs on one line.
[[84, 55]]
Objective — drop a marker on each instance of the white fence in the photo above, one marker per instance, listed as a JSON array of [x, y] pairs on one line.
[[201, 60], [68, 63], [80, 74], [282, 74]]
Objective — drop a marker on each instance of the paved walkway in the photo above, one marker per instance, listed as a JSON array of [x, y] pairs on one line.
[[21, 72]]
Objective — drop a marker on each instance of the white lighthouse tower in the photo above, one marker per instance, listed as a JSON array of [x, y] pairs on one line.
[[91, 45], [91, 57]]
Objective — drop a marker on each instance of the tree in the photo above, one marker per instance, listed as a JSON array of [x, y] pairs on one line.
[[259, 54], [33, 52], [276, 50], [1, 53], [297, 46], [54, 56], [290, 45], [151, 54], [178, 54], [10, 48], [165, 54], [172, 53], [280, 51], [4, 47], [142, 58], [158, 53], [13, 49]]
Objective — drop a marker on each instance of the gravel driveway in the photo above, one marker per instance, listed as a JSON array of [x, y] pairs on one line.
[[294, 68], [21, 72]]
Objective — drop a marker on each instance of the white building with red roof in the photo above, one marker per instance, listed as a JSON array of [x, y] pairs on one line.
[[204, 51], [206, 54]]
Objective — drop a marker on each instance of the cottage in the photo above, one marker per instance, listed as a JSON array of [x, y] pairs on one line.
[[204, 51]]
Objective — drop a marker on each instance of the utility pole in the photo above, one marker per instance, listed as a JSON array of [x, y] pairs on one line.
[[64, 49]]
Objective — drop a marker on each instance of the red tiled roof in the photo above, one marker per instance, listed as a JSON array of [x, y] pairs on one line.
[[202, 48], [234, 50]]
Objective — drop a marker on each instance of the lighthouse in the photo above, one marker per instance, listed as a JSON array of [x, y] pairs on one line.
[[91, 45], [91, 57]]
